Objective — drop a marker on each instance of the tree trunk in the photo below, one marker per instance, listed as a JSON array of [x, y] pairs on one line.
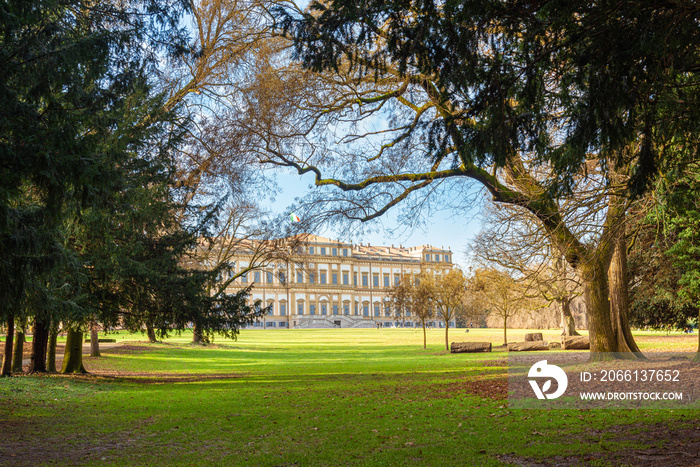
[[424, 338], [94, 342], [73, 355], [151, 334], [604, 342], [568, 324], [51, 358], [18, 352], [619, 296], [697, 355], [575, 343], [505, 328], [39, 344], [447, 329], [527, 346], [7, 357], [197, 337], [470, 347]]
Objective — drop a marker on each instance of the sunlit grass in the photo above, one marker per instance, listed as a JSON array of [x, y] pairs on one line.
[[297, 397]]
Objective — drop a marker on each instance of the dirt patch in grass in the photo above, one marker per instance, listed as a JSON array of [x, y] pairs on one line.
[[492, 388], [48, 442], [668, 446]]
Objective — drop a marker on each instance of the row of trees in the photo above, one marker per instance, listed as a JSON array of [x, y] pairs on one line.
[[427, 296], [107, 192]]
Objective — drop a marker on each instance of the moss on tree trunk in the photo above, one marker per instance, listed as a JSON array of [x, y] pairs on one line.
[[73, 355], [18, 352], [39, 344], [7, 357]]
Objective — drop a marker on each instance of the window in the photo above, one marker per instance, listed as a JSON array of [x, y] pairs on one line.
[[346, 310], [269, 278], [244, 278], [300, 277], [312, 278], [323, 250], [386, 280], [324, 309], [356, 309], [375, 280], [447, 258], [365, 280], [256, 277], [365, 310], [346, 278], [345, 251], [437, 257], [396, 279], [311, 250], [270, 324], [282, 324], [334, 278], [271, 310], [283, 278], [335, 309], [376, 309], [354, 279], [300, 308], [387, 309], [283, 309], [427, 257], [312, 309], [334, 251], [323, 277]]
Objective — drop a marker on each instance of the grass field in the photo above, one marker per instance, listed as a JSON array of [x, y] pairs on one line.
[[318, 397]]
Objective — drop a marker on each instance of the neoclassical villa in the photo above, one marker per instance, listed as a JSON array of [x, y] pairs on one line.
[[327, 283]]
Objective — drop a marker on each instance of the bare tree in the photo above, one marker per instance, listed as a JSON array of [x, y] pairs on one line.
[[504, 296], [512, 239], [413, 296], [423, 300], [450, 295]]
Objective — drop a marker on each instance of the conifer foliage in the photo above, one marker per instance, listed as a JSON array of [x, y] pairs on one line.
[[91, 229]]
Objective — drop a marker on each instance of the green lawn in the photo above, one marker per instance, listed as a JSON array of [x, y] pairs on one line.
[[308, 397]]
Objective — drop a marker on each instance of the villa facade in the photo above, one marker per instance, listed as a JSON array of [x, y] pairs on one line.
[[330, 284]]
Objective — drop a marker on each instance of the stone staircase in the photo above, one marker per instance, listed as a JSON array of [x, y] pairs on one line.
[[334, 321]]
